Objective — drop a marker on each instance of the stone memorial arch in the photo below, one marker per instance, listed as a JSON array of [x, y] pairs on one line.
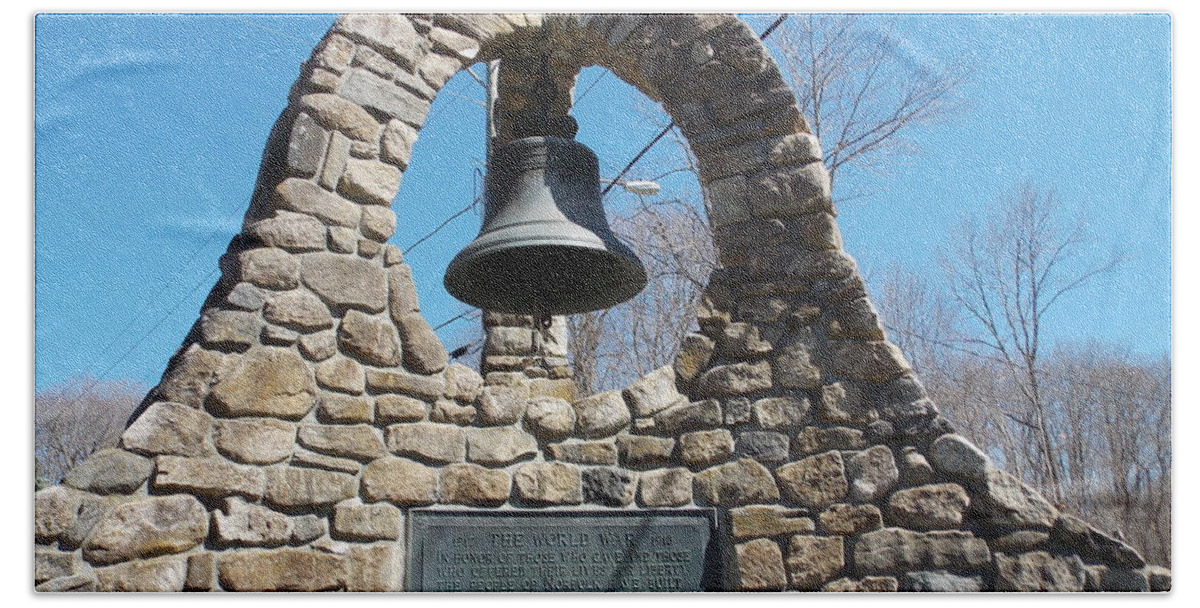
[[309, 430]]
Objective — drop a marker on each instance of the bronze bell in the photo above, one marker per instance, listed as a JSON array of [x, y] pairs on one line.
[[545, 247]]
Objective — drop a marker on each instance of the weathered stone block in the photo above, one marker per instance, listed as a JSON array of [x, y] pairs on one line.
[[652, 393], [849, 520], [608, 486], [270, 381], [735, 379], [423, 351], [48, 564], [318, 346], [705, 448], [843, 403], [816, 482], [111, 471], [953, 455], [369, 181], [436, 443], [147, 528], [872, 473], [1019, 542], [445, 410], [741, 482], [1093, 545], [334, 408], [760, 566], [463, 384], [586, 452], [930, 507], [375, 93], [359, 522], [503, 405], [291, 487], [346, 281], [500, 446], [895, 550], [424, 387], [695, 352], [303, 196], [768, 520], [399, 481], [397, 408], [508, 341], [377, 223], [396, 144], [286, 569], [871, 361], [665, 488], [169, 428], [742, 341], [548, 483], [601, 415], [190, 377], [780, 413], [341, 114], [209, 477], [471, 484], [289, 231], [867, 584], [1039, 571], [639, 452], [250, 525], [794, 365], [298, 309], [162, 575], [941, 581], [369, 339], [254, 440], [228, 328], [358, 441], [1005, 502], [342, 374], [687, 416], [813, 560], [763, 446], [815, 440]]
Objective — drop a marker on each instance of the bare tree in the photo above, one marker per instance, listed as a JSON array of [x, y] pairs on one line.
[[1006, 276], [76, 418], [611, 347], [863, 94]]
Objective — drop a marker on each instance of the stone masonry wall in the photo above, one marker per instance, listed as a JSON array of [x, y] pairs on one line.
[[311, 406]]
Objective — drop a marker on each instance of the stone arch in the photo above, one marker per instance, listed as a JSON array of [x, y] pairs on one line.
[[311, 407]]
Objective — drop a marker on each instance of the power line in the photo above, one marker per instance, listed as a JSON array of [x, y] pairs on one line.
[[671, 125]]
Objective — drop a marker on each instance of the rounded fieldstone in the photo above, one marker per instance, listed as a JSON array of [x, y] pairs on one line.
[[737, 483], [169, 428], [549, 418], [111, 471], [255, 440], [471, 484], [930, 507], [601, 415], [147, 528], [270, 381], [816, 482]]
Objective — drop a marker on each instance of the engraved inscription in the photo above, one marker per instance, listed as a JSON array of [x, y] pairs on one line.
[[552, 551]]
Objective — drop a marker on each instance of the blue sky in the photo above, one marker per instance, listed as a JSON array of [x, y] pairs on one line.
[[149, 130]]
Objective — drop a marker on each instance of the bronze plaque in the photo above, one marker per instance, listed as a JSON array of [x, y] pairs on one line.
[[653, 551]]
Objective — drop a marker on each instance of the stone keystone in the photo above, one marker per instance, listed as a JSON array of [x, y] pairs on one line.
[[271, 381], [147, 528]]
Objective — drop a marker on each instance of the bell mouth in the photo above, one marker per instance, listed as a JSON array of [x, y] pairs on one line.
[[544, 279]]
